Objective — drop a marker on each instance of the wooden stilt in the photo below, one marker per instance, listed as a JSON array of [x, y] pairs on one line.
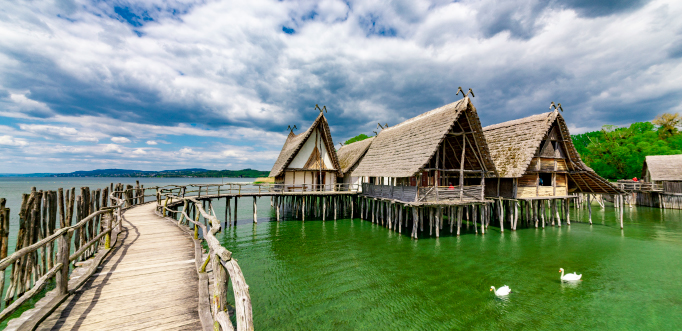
[[459, 218], [620, 212], [542, 212], [415, 221], [439, 220], [589, 207], [235, 211], [255, 211], [499, 214]]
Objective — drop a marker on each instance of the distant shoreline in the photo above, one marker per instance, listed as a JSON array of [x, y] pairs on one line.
[[124, 173]]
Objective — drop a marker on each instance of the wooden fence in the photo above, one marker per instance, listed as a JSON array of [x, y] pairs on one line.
[[203, 190], [465, 193], [221, 261], [44, 252]]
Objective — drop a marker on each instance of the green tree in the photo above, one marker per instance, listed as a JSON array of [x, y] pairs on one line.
[[359, 137], [619, 153], [668, 124]]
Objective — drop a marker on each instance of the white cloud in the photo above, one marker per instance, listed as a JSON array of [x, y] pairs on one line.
[[120, 140], [11, 141], [112, 148], [226, 74], [58, 132]]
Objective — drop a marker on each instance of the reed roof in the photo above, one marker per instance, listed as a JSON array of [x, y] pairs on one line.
[[513, 144], [663, 167], [294, 143], [349, 155], [404, 149]]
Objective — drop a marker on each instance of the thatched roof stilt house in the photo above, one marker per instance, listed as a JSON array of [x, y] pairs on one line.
[[349, 159], [439, 156], [308, 160], [535, 157]]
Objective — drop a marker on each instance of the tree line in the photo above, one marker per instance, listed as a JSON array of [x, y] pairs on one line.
[[619, 152]]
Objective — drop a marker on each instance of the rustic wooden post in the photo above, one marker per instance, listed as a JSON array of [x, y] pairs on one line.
[[498, 207], [483, 210], [461, 167], [196, 226], [589, 207], [516, 214], [255, 211], [542, 212], [4, 236], [460, 209], [415, 220], [438, 220], [620, 211], [235, 211], [220, 278], [64, 248]]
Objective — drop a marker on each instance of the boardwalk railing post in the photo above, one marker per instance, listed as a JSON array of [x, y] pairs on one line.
[[63, 258], [220, 279], [108, 218], [196, 228]]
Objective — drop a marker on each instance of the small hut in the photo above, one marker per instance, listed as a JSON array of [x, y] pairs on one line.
[[437, 157], [349, 158], [308, 160], [664, 171], [535, 158]]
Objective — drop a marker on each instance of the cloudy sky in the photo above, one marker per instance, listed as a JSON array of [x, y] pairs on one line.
[[154, 84]]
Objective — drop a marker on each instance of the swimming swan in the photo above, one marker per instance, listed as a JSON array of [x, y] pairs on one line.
[[502, 291], [569, 277]]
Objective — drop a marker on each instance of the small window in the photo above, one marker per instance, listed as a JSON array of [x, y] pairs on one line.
[[545, 179]]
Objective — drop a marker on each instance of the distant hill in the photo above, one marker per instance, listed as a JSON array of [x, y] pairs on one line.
[[245, 173]]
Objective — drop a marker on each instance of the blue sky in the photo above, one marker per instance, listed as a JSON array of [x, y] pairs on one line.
[[156, 84]]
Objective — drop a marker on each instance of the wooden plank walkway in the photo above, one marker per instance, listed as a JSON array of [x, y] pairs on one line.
[[148, 281]]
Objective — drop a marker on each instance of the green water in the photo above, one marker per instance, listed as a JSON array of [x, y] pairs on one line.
[[354, 275]]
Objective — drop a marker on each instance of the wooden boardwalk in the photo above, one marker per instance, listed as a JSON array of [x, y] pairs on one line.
[[149, 281]]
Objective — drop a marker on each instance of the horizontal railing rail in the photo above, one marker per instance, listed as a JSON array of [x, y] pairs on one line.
[[423, 194], [639, 186], [199, 190]]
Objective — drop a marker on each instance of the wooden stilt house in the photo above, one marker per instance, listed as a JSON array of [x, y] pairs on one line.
[[349, 158], [535, 157], [439, 157], [664, 172], [308, 160]]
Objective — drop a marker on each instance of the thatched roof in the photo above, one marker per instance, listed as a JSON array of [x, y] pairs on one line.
[[663, 167], [513, 145], [406, 148], [350, 154], [294, 143]]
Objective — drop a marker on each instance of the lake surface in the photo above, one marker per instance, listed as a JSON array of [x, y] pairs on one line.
[[354, 275]]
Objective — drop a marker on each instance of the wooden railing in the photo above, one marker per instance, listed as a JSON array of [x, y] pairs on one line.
[[221, 260], [37, 263], [202, 190], [638, 186], [423, 194]]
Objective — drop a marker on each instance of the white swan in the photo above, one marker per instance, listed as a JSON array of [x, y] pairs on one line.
[[569, 277], [502, 291]]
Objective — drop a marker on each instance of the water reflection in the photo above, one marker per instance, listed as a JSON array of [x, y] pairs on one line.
[[567, 284]]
